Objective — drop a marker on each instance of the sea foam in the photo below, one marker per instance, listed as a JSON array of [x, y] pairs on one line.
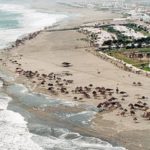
[[73, 141], [14, 133], [28, 20]]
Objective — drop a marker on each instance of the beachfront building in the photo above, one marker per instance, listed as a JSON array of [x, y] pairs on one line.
[[129, 32], [99, 37], [117, 34]]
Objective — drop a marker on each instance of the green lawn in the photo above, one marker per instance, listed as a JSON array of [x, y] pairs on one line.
[[137, 63], [144, 50], [146, 68], [120, 56]]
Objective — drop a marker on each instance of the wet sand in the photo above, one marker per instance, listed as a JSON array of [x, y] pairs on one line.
[[49, 50]]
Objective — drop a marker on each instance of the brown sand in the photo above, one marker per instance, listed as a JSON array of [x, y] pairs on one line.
[[46, 53]]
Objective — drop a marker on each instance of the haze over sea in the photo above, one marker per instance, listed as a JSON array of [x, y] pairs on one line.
[[16, 121]]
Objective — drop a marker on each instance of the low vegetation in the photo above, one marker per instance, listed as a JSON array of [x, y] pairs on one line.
[[139, 63]]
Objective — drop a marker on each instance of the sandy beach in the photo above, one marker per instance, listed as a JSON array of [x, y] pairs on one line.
[[46, 53]]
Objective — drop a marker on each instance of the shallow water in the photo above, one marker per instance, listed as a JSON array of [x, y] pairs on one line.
[[43, 123]]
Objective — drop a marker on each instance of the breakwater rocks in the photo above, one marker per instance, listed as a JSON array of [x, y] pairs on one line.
[[21, 41]]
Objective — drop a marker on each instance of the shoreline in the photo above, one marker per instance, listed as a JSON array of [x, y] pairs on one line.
[[29, 36], [57, 27], [84, 131], [81, 71]]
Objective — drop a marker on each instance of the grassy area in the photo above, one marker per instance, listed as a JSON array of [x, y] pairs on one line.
[[120, 56], [144, 50], [146, 68], [137, 63]]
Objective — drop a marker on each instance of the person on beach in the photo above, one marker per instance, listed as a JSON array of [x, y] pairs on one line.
[[117, 90]]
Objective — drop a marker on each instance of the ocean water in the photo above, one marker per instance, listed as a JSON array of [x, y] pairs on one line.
[[17, 133], [17, 20]]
